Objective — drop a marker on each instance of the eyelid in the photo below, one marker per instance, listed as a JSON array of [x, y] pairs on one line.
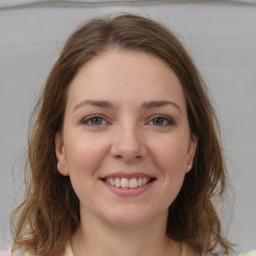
[[85, 120], [170, 120]]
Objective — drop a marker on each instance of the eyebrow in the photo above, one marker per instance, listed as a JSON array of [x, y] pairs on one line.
[[145, 105], [161, 103], [95, 103]]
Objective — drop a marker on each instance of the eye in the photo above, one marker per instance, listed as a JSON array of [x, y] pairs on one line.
[[161, 121], [94, 121]]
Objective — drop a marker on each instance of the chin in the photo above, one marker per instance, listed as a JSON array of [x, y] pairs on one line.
[[131, 217]]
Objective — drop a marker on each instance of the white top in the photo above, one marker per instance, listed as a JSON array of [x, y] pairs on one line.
[[185, 251]]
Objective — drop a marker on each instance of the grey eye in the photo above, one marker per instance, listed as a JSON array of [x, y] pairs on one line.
[[95, 121], [158, 121], [161, 121]]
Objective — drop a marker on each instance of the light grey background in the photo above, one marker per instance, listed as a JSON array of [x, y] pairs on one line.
[[222, 40]]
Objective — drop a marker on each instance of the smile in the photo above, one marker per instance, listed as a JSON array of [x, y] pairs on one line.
[[128, 183]]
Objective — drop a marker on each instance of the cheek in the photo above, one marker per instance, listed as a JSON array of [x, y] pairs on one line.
[[170, 157], [83, 154], [171, 154]]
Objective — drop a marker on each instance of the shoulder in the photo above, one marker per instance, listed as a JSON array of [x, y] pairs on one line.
[[186, 250], [8, 252], [251, 253], [5, 252]]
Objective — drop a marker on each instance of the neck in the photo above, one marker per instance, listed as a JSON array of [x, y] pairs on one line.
[[94, 237]]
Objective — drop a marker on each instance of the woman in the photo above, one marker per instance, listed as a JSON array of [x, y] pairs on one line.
[[124, 155]]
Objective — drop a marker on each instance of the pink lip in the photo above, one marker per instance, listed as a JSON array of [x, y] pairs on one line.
[[128, 192], [127, 175]]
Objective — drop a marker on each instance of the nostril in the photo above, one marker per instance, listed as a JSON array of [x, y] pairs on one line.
[[118, 156], [128, 158], [128, 150]]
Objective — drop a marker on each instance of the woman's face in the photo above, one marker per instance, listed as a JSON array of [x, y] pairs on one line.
[[126, 143]]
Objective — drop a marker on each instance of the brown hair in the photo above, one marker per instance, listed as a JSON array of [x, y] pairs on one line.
[[50, 212]]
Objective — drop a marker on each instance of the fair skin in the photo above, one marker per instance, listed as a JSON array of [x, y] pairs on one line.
[[127, 147]]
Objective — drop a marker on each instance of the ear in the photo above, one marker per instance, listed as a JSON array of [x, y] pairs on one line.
[[60, 155], [191, 152]]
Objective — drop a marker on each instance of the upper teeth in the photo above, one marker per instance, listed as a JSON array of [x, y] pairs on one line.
[[127, 183]]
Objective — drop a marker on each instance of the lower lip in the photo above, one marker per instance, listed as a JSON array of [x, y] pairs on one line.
[[129, 192]]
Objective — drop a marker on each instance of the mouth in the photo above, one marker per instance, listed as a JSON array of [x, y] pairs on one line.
[[131, 183]]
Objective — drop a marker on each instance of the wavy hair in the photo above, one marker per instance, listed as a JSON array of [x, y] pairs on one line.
[[45, 220]]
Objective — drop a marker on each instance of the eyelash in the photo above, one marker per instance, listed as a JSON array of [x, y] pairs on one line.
[[88, 119], [166, 121]]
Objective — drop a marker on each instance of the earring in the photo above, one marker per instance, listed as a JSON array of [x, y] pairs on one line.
[[189, 166]]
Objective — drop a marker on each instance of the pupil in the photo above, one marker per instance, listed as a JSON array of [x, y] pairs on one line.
[[158, 121], [97, 121]]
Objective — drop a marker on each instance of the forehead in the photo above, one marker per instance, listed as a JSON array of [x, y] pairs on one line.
[[124, 75]]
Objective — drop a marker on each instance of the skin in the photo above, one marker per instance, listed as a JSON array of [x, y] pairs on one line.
[[129, 134]]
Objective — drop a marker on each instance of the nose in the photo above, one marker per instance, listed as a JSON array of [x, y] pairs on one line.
[[128, 144]]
